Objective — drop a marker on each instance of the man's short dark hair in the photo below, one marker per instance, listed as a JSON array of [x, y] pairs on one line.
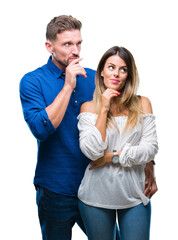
[[60, 24]]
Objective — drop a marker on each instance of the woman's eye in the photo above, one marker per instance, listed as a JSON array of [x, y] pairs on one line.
[[111, 67], [123, 70]]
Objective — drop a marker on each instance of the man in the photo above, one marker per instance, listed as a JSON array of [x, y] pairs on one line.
[[51, 97]]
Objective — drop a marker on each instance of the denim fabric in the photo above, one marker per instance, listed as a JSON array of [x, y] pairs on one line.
[[57, 215], [134, 223]]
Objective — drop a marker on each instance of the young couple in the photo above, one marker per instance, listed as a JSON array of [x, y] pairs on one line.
[[108, 160]]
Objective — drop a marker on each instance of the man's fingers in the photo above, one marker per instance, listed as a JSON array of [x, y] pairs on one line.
[[147, 190], [153, 189], [150, 189], [78, 68], [83, 73], [75, 61]]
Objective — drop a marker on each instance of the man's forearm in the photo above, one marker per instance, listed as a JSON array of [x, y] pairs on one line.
[[56, 110]]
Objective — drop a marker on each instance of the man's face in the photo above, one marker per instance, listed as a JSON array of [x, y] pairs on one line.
[[65, 48]]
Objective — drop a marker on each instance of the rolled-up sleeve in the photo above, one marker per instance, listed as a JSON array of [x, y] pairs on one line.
[[147, 148], [33, 105], [91, 143]]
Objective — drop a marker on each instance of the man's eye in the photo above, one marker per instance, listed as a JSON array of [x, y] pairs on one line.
[[67, 44]]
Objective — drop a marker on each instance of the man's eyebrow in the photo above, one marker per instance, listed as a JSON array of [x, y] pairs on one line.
[[70, 41]]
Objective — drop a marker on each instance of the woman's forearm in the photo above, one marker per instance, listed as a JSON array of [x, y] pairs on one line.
[[101, 123]]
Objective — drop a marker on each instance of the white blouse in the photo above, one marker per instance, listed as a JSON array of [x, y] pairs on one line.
[[116, 186]]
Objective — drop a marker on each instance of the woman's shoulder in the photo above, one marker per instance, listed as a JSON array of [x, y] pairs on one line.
[[88, 107], [146, 105]]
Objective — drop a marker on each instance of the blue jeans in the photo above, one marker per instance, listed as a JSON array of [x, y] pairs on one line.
[[57, 215], [134, 223]]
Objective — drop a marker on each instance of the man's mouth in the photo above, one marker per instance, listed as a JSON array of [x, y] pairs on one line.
[[73, 57]]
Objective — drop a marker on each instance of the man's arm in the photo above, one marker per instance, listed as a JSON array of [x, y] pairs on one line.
[[57, 109], [43, 120], [33, 106], [150, 180]]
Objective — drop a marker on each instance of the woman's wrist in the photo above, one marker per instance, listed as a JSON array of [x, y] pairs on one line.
[[108, 157], [119, 153], [103, 111]]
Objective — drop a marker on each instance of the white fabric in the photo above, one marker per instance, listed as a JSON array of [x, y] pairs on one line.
[[121, 185]]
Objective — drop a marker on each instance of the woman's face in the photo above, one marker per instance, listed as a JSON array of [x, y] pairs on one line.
[[114, 73]]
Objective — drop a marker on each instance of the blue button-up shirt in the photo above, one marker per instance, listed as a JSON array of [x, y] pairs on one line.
[[60, 164]]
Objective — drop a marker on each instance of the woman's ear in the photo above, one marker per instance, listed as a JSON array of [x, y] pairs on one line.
[[102, 74]]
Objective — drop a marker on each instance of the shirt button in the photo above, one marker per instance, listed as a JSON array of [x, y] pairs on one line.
[[75, 101], [74, 90]]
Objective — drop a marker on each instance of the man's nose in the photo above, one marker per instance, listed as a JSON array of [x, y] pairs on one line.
[[75, 50]]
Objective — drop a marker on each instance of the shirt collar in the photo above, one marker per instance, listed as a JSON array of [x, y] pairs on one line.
[[54, 69]]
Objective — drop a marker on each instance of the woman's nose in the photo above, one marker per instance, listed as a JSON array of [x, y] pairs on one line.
[[116, 73]]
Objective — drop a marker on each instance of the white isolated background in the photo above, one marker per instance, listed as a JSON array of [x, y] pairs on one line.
[[149, 30]]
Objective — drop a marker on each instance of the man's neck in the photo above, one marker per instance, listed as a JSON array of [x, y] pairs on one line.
[[58, 63]]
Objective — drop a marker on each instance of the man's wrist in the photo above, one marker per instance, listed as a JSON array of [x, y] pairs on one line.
[[67, 89]]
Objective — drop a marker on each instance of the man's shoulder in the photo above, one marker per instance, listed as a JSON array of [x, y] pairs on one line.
[[37, 71], [90, 76], [34, 75], [90, 71]]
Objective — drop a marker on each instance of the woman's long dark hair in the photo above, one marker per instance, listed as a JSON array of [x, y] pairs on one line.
[[128, 98]]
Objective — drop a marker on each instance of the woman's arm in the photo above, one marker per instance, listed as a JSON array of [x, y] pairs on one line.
[[142, 153], [148, 146], [104, 108], [90, 139]]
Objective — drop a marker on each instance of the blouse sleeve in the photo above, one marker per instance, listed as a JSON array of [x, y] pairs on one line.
[[147, 148], [91, 143]]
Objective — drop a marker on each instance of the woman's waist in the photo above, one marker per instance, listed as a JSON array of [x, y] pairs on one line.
[[114, 175]]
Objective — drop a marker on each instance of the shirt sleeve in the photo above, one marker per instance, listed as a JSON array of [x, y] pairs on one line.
[[91, 143], [147, 148], [33, 105]]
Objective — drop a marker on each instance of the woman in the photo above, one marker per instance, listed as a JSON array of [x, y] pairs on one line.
[[118, 133]]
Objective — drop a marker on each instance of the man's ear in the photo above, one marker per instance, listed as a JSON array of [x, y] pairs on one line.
[[49, 47]]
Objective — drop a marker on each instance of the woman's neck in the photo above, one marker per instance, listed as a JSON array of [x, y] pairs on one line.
[[117, 110]]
